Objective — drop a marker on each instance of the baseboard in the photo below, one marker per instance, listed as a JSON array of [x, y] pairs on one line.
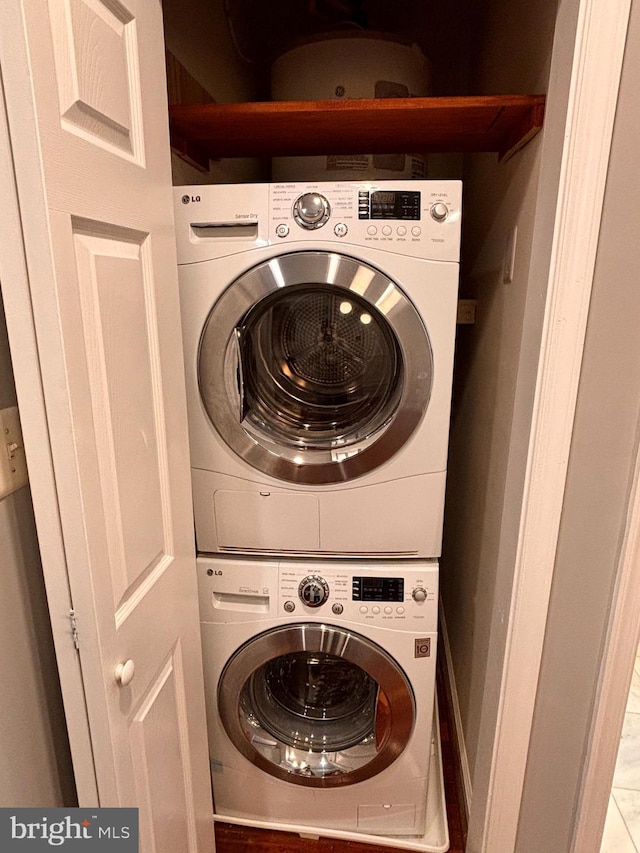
[[462, 769]]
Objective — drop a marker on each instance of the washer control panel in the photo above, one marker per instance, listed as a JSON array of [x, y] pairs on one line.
[[391, 593], [418, 218], [401, 595]]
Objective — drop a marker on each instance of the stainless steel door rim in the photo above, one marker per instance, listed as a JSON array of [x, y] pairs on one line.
[[287, 447], [387, 739]]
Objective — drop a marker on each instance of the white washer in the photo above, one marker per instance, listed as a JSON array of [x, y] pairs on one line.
[[319, 324], [320, 684]]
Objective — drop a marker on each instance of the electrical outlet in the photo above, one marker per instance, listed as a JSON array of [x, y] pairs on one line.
[[466, 312], [13, 463]]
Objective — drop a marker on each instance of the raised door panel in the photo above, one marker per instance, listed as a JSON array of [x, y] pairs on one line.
[[160, 792], [96, 56], [117, 299]]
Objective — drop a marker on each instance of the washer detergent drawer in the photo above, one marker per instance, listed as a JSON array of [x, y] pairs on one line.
[[266, 520]]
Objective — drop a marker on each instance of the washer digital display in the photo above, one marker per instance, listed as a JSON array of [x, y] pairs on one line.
[[378, 589]]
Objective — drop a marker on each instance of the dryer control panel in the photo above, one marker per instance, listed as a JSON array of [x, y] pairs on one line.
[[418, 218]]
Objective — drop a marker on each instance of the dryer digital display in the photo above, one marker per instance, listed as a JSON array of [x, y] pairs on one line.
[[389, 204], [378, 589]]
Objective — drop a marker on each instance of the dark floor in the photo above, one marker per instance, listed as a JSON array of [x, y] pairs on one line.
[[237, 839]]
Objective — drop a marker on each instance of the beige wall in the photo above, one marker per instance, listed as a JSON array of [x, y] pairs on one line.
[[200, 40], [495, 368], [35, 765], [603, 452]]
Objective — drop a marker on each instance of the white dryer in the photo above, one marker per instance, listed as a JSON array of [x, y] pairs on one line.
[[320, 685], [319, 324]]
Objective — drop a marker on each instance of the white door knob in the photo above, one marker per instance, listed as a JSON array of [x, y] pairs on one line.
[[125, 672]]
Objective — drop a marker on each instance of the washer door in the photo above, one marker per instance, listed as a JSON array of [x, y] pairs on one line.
[[316, 705], [314, 367]]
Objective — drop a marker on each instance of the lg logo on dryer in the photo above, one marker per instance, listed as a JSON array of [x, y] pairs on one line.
[[187, 198]]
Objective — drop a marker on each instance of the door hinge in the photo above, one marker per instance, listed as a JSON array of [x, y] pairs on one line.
[[74, 628]]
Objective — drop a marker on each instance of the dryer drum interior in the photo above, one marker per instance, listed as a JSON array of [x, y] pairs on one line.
[[319, 365], [314, 367], [331, 708]]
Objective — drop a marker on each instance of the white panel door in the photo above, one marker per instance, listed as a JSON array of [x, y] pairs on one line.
[[94, 189]]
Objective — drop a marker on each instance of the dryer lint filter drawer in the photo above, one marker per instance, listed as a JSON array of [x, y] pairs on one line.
[[266, 521]]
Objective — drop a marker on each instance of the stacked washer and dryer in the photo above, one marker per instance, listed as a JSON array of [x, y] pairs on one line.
[[319, 324]]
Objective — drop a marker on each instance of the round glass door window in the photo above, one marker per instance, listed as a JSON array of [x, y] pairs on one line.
[[314, 367], [314, 716], [321, 369]]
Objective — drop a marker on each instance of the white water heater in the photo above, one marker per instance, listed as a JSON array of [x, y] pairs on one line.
[[350, 64]]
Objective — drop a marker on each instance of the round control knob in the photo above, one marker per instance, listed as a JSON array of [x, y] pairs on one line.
[[419, 594], [439, 211], [289, 606], [311, 210], [313, 591]]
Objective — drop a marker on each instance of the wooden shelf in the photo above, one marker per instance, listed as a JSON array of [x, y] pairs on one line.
[[502, 123]]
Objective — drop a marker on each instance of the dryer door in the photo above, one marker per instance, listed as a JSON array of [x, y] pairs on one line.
[[316, 705], [314, 367]]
